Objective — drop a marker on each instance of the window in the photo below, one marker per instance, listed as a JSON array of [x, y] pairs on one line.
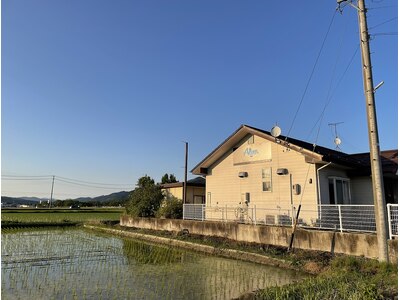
[[251, 140], [267, 180], [339, 190]]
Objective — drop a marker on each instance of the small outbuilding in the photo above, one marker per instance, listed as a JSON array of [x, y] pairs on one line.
[[195, 190]]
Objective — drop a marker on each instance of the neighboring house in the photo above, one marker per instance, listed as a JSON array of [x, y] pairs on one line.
[[251, 168], [195, 190]]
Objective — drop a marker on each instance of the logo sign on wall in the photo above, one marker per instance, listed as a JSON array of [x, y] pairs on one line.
[[257, 152]]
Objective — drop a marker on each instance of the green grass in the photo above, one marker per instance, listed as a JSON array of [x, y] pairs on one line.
[[59, 215], [346, 278]]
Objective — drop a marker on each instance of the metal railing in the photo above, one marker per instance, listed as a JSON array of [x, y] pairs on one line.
[[393, 219], [359, 218]]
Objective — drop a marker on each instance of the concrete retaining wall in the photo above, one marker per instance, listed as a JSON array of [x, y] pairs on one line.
[[357, 244]]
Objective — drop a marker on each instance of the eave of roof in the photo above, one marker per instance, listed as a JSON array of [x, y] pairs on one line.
[[243, 131], [389, 161], [315, 153]]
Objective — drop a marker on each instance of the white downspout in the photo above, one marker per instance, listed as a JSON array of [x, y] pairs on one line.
[[318, 185]]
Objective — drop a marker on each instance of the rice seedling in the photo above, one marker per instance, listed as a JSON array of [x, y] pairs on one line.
[[79, 264], [28, 216]]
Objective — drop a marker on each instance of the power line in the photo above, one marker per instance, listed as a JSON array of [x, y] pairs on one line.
[[92, 186], [384, 33], [333, 92], [27, 176], [311, 75], [65, 179], [96, 183], [392, 19], [27, 179]]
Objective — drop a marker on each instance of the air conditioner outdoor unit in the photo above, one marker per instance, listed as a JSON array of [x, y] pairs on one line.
[[282, 171]]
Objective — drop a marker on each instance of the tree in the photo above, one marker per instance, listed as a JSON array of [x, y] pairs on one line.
[[145, 199], [170, 208], [168, 178]]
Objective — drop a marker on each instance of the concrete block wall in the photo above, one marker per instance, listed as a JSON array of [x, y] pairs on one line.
[[357, 244]]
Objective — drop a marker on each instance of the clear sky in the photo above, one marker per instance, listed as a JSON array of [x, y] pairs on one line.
[[106, 91]]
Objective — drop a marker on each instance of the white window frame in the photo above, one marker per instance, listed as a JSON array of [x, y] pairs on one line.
[[343, 179], [266, 178]]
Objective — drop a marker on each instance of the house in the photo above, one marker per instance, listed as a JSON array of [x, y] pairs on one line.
[[252, 169], [195, 190]]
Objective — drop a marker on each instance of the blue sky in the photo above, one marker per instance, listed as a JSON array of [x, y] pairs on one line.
[[106, 91]]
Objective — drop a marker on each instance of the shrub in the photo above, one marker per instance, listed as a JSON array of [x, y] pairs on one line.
[[171, 208]]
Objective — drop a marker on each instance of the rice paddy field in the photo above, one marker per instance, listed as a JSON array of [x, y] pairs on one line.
[[76, 263], [59, 215]]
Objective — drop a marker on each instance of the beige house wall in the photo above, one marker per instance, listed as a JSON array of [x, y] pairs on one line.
[[225, 188], [177, 192], [192, 191]]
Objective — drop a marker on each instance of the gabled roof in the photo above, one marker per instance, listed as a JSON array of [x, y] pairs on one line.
[[313, 153], [198, 181]]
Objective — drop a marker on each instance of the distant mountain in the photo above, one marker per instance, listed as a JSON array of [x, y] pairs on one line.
[[36, 199], [119, 196], [10, 201]]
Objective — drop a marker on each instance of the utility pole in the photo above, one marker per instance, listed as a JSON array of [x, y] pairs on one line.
[[185, 181], [51, 195], [375, 157]]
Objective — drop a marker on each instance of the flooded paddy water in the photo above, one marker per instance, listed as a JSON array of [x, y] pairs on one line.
[[82, 264]]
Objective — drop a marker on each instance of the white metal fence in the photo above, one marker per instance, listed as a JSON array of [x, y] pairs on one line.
[[393, 219], [360, 218]]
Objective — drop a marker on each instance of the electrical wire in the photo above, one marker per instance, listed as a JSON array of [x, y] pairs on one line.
[[329, 98], [380, 24], [61, 178], [384, 33], [91, 185], [95, 183], [311, 75], [27, 179], [319, 120], [27, 176]]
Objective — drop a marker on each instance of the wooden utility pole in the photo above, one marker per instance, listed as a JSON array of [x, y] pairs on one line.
[[185, 181], [375, 155], [51, 195]]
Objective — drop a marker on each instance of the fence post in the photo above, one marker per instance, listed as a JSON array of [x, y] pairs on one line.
[[183, 217], [255, 215], [340, 218], [226, 213], [389, 221]]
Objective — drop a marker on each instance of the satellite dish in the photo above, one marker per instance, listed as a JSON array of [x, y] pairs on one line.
[[337, 141], [276, 131]]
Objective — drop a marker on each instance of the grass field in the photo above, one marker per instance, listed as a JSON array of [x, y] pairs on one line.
[[60, 215], [346, 278]]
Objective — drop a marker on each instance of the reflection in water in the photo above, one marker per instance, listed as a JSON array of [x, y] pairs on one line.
[[58, 264]]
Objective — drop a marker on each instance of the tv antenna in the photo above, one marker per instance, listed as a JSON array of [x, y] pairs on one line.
[[337, 141]]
